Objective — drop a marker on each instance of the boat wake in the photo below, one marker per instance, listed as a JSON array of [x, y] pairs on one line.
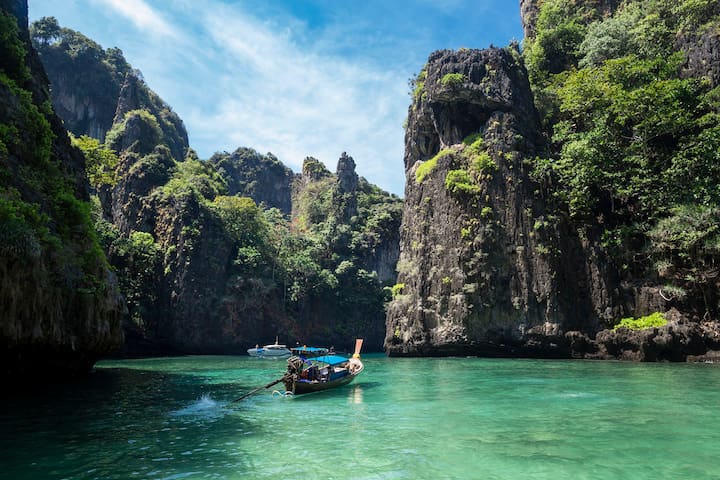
[[279, 394], [204, 406]]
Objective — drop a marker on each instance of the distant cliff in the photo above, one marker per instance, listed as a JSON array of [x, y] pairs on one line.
[[60, 307], [263, 178], [216, 256], [94, 89], [548, 192]]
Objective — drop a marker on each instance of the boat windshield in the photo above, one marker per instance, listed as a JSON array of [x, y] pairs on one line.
[[311, 349]]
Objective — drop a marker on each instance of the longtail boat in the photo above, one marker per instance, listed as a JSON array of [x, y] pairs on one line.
[[306, 375]]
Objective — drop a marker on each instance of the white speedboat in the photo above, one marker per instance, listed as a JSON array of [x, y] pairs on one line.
[[274, 350]]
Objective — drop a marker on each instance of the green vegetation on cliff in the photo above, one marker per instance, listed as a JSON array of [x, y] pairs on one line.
[[100, 161], [59, 308], [653, 320], [453, 79], [95, 89], [634, 141], [427, 167], [40, 211]]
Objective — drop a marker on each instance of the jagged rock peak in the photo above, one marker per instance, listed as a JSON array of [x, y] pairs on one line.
[[529, 10], [313, 169], [457, 92], [135, 95], [347, 178]]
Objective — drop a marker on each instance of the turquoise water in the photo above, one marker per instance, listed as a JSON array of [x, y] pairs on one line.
[[453, 418]]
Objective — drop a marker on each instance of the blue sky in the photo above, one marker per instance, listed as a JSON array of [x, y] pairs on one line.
[[295, 78]]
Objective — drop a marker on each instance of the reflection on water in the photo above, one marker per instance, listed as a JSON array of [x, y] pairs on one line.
[[402, 418], [357, 395]]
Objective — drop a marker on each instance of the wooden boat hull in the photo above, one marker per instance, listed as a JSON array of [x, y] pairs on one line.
[[298, 387]]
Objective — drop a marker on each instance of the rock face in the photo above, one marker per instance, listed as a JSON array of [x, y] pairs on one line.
[[93, 89], [478, 275], [703, 55], [85, 79], [263, 178], [529, 10], [490, 262], [60, 309], [347, 186]]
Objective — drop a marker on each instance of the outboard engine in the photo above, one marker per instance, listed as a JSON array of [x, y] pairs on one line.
[[295, 365]]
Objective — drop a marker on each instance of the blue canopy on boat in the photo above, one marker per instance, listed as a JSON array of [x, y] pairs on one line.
[[310, 349], [330, 359]]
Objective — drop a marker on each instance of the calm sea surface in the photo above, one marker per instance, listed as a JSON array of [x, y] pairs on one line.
[[454, 418]]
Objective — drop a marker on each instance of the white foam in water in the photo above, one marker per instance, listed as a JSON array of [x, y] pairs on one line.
[[203, 406]]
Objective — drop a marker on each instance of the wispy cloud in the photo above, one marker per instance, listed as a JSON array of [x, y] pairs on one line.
[[143, 16], [293, 78], [296, 101]]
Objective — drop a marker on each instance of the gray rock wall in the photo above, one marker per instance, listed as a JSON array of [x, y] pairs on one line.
[[478, 275]]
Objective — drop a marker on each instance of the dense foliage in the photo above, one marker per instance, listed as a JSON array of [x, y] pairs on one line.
[[42, 212], [100, 161], [634, 143]]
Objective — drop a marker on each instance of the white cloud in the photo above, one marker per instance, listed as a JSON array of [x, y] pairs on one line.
[[295, 102], [142, 15], [292, 78]]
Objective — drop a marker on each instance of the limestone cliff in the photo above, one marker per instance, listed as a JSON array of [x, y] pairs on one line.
[[499, 254], [263, 178], [478, 270], [60, 309], [95, 88]]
